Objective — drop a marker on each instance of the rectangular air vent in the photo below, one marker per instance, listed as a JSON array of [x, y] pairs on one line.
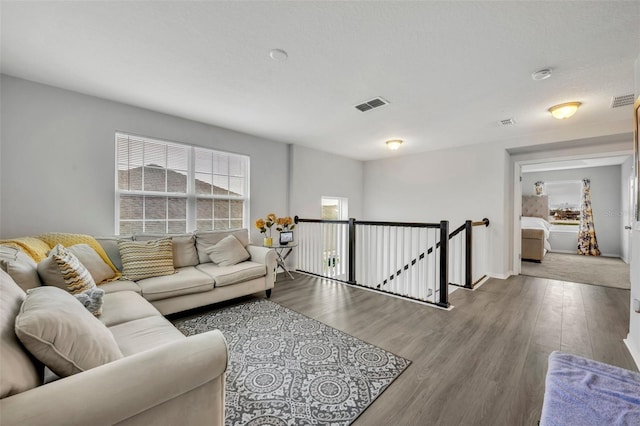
[[624, 100], [371, 104], [507, 122]]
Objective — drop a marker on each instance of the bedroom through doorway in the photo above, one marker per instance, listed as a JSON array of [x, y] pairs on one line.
[[574, 215]]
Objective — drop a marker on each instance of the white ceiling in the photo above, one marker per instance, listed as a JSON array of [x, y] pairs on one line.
[[451, 70]]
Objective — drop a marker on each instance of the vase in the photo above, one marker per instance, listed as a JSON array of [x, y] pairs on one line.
[[268, 242]]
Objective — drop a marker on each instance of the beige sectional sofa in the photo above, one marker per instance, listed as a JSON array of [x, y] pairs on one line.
[[162, 377]]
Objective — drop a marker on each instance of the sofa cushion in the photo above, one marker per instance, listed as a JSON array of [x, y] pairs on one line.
[[185, 281], [226, 275], [144, 334], [229, 251], [62, 334], [125, 306], [206, 239], [20, 267], [18, 370], [184, 248], [110, 246], [120, 285], [145, 259]]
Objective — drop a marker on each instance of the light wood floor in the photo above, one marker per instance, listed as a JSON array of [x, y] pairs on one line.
[[484, 362]]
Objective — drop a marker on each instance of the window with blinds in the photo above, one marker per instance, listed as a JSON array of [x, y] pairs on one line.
[[166, 187]]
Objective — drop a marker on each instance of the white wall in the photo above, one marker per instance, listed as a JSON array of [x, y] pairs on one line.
[[455, 184], [633, 339], [605, 200], [58, 153], [315, 174]]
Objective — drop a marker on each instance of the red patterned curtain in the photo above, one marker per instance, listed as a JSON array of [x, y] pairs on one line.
[[587, 242]]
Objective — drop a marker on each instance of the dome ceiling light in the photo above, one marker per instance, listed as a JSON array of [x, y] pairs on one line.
[[565, 110], [394, 144]]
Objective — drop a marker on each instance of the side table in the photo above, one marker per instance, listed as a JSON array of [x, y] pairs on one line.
[[282, 252]]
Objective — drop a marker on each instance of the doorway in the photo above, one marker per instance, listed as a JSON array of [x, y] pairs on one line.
[[559, 183]]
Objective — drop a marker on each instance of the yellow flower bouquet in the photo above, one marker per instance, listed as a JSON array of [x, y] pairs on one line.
[[264, 225]]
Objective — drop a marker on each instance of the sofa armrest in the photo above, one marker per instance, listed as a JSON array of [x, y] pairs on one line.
[[266, 256], [117, 391]]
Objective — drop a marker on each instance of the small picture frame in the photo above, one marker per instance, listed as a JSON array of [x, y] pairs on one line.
[[286, 237]]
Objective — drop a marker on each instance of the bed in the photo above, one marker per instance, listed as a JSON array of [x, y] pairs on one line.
[[535, 227]]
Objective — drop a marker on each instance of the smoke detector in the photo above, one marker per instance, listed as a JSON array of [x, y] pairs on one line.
[[541, 74]]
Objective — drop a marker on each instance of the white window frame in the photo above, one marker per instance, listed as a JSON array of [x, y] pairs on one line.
[[190, 195], [343, 206]]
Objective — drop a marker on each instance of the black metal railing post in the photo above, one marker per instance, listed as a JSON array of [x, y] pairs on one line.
[[468, 276], [352, 251], [444, 264]]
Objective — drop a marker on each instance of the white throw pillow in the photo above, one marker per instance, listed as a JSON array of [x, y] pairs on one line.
[[229, 251], [58, 331]]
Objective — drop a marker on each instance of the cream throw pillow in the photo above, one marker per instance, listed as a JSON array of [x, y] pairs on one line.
[[58, 331], [50, 274], [229, 251], [62, 264], [146, 259]]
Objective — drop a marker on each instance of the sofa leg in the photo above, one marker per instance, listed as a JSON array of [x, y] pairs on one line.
[[268, 293]]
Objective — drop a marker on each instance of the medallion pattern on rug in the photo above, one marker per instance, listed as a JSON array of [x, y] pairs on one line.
[[288, 369]]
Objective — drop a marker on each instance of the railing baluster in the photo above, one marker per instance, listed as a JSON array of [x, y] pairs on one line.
[[415, 260]]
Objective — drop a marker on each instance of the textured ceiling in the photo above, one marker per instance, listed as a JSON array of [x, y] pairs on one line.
[[451, 70]]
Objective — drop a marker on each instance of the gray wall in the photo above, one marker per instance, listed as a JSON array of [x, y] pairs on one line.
[[606, 200], [58, 152], [315, 174]]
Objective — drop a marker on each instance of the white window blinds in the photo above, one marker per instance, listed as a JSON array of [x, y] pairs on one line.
[[166, 187]]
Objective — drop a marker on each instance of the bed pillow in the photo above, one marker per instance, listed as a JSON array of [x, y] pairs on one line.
[[146, 259], [229, 251], [58, 331]]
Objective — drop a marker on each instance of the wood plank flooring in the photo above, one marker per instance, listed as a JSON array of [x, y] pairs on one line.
[[484, 362]]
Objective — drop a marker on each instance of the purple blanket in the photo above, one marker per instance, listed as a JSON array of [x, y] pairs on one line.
[[580, 391]]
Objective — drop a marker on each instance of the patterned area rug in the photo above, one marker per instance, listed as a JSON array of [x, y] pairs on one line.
[[288, 369]]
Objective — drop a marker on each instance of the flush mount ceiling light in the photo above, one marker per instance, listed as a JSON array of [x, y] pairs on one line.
[[278, 55], [394, 144], [565, 110], [542, 74]]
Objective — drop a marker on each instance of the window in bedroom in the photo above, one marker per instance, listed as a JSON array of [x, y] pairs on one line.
[[564, 201], [166, 187]]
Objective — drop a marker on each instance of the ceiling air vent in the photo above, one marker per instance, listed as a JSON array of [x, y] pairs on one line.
[[624, 100], [507, 122], [373, 103]]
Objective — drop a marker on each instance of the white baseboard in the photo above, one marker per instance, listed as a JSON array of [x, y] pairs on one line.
[[635, 355], [500, 276]]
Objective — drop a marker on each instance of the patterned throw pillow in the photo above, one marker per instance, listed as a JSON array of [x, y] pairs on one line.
[[146, 259], [75, 275]]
